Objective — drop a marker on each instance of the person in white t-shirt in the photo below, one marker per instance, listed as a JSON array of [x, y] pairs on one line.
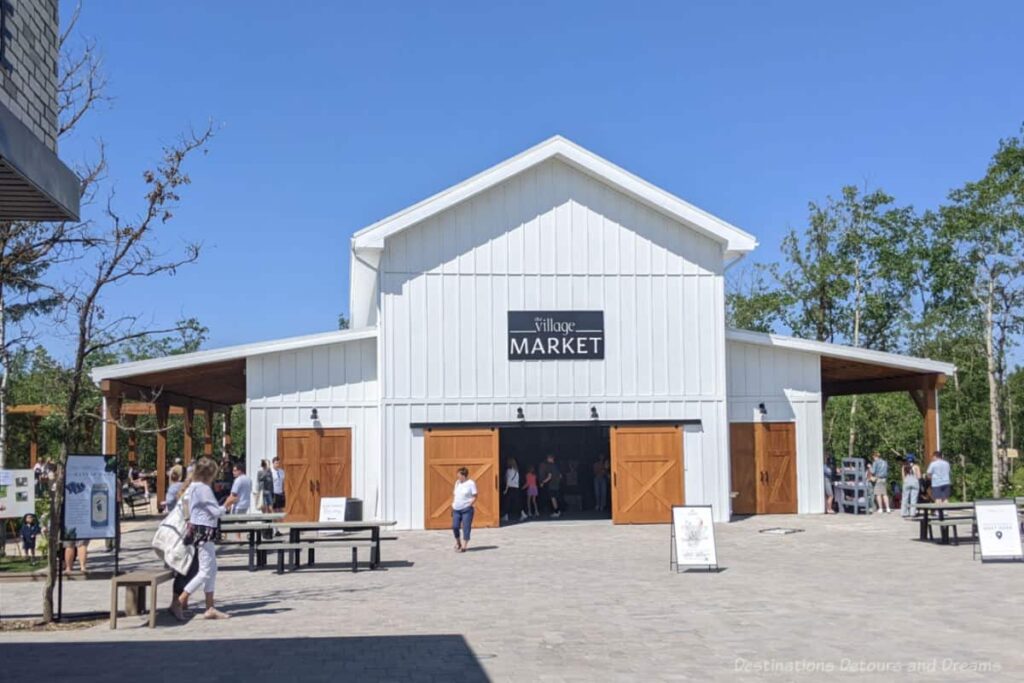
[[463, 498]]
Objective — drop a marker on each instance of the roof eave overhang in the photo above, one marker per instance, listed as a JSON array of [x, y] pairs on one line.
[[35, 184], [893, 360], [734, 240]]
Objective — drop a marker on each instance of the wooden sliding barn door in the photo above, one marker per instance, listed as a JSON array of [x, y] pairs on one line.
[[317, 464], [647, 473], [444, 452], [763, 465], [777, 455]]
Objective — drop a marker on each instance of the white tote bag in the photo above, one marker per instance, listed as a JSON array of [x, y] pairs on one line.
[[169, 539]]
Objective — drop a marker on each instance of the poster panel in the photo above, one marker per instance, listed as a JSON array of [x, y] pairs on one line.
[[693, 533], [998, 530], [90, 497], [17, 493], [332, 510]]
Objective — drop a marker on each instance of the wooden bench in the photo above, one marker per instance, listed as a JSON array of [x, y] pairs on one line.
[[953, 523], [310, 546], [135, 585]]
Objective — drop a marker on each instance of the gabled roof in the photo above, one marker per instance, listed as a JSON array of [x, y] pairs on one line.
[[228, 353], [852, 353], [736, 241]]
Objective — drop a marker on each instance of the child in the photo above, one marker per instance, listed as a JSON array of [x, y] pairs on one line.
[[531, 492], [29, 531]]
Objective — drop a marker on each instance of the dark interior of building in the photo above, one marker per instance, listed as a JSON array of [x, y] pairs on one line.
[[576, 449]]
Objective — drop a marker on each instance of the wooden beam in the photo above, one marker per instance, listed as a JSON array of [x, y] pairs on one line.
[[931, 423], [111, 416], [137, 408], [133, 439], [208, 432], [188, 425], [35, 409], [131, 392], [33, 444], [880, 386], [161, 451]]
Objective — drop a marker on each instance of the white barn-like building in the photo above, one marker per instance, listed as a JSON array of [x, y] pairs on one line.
[[554, 303]]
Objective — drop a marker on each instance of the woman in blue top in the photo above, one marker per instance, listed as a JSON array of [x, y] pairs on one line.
[[203, 514]]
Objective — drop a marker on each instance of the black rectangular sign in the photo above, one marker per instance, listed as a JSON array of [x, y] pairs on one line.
[[555, 335]]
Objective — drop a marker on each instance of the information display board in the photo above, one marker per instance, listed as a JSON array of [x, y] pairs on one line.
[[332, 510], [17, 493], [998, 530], [90, 497], [693, 537]]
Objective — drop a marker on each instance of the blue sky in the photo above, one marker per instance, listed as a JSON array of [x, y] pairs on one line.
[[333, 115]]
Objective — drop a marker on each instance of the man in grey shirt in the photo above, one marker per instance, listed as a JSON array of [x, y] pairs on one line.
[[939, 476], [241, 489]]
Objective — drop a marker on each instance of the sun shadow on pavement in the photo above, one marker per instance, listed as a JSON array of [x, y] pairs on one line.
[[429, 657]]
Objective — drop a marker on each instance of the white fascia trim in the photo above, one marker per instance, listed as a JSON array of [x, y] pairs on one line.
[[736, 240], [186, 360], [891, 360]]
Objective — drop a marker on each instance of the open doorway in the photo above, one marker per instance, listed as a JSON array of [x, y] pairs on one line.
[[582, 454]]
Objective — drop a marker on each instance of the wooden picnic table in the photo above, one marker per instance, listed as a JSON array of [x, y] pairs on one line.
[[295, 530], [253, 525], [940, 509], [232, 518]]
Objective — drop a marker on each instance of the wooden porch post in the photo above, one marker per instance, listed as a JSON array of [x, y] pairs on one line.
[[227, 432], [162, 411], [189, 423], [927, 400], [208, 432], [33, 445], [133, 439], [111, 416]]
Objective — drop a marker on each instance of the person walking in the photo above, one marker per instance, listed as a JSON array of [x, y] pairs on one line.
[[880, 475], [939, 476], [911, 487], [265, 487], [241, 489], [174, 490], [463, 498], [551, 482], [182, 580], [532, 491], [203, 513], [277, 486], [29, 531], [510, 494]]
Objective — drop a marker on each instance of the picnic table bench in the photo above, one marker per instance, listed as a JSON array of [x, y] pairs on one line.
[[296, 543], [943, 522], [135, 585]]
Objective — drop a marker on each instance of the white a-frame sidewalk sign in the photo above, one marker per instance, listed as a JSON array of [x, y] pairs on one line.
[[998, 530], [693, 538]]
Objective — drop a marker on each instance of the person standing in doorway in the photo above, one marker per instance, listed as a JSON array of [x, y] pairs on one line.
[[203, 514], [911, 487], [511, 494], [600, 486], [880, 475], [241, 489], [265, 485], [829, 497], [939, 476], [463, 498], [277, 486], [551, 482]]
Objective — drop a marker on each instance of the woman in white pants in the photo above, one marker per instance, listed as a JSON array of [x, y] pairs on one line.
[[203, 513], [911, 487]]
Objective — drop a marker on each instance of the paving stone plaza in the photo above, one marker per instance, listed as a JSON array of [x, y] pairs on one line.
[[850, 598]]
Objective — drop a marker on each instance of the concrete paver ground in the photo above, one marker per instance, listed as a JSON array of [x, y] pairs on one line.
[[851, 598]]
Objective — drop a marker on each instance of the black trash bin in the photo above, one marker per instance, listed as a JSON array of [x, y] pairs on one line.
[[353, 509]]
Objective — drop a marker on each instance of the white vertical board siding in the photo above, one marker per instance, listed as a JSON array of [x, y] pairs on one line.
[[340, 381], [789, 384], [551, 238]]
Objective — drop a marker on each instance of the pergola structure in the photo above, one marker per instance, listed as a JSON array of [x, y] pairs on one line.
[[844, 377], [35, 413], [209, 389]]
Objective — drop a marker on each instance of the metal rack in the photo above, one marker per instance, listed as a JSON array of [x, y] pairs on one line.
[[853, 491]]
